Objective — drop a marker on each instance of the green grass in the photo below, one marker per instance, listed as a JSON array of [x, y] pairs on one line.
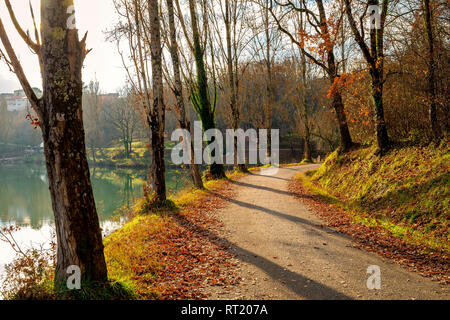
[[134, 252], [114, 156], [406, 191]]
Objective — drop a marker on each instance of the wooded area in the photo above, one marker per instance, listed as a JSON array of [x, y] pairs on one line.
[[336, 74]]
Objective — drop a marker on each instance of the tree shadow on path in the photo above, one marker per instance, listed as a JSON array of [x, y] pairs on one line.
[[296, 283], [280, 215]]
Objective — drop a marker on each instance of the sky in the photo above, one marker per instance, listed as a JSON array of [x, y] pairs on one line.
[[102, 63]]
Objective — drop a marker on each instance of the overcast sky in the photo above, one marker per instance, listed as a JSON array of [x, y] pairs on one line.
[[103, 62]]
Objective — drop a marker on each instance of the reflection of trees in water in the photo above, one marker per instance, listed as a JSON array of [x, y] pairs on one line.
[[25, 198], [127, 192]]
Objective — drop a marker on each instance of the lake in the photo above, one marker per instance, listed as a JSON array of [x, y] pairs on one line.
[[25, 199]]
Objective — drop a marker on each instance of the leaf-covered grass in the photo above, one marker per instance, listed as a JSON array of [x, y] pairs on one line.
[[156, 248], [132, 253], [406, 191]]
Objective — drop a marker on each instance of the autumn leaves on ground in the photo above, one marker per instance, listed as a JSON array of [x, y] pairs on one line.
[[353, 76], [173, 254], [396, 207]]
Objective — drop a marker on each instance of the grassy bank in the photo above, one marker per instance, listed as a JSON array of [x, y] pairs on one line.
[[114, 156], [165, 254], [406, 191]]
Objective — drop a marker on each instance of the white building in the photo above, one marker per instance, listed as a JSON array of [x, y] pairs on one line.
[[18, 101]]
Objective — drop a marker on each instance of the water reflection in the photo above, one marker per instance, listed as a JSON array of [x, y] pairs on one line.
[[25, 198]]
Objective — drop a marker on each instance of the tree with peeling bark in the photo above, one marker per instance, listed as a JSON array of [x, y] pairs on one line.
[[323, 33], [59, 115], [156, 112], [140, 28]]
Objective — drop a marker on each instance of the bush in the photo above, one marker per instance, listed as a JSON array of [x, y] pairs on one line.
[[30, 275]]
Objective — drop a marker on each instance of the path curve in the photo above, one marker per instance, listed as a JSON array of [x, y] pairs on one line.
[[286, 253]]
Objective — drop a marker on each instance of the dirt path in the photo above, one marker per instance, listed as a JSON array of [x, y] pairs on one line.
[[286, 253]]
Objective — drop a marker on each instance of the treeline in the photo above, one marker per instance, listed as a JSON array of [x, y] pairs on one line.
[[337, 73]]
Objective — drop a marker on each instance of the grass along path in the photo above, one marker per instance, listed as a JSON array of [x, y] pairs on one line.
[[286, 251]]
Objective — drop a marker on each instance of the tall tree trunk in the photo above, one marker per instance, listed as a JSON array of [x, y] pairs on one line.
[[305, 112], [374, 56], [380, 124], [178, 92], [431, 70], [330, 66], [337, 103], [235, 115], [61, 55], [204, 108], [338, 106], [377, 47], [156, 114], [269, 88]]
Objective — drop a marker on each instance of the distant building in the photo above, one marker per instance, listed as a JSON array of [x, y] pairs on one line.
[[18, 101], [110, 95], [6, 95]]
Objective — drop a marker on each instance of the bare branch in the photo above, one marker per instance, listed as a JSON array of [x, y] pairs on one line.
[[25, 35], [291, 37], [18, 70]]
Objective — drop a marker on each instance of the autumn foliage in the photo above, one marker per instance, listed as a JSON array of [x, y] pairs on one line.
[[174, 254]]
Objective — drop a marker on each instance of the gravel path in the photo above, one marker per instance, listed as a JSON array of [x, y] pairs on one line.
[[285, 252]]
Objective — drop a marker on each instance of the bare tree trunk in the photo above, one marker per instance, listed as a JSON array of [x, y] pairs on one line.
[[269, 89], [330, 68], [305, 112], [156, 114], [431, 70], [204, 108], [77, 224], [374, 56], [235, 115], [380, 124], [61, 55], [178, 92], [338, 106]]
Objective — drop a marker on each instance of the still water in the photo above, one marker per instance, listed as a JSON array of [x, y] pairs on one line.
[[25, 200]]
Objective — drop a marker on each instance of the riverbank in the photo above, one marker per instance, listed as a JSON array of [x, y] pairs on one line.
[[172, 253]]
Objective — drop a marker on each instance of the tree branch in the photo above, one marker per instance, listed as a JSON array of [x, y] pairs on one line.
[[18, 70], [291, 37], [358, 38], [25, 35]]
